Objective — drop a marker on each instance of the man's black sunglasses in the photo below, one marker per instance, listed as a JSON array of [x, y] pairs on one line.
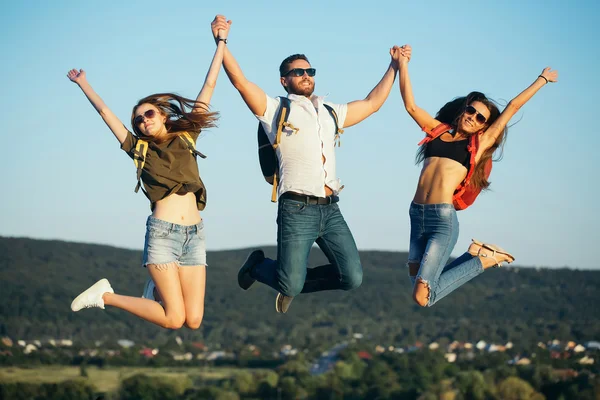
[[301, 71]]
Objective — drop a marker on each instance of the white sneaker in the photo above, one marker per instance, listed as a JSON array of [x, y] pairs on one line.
[[149, 290], [92, 297]]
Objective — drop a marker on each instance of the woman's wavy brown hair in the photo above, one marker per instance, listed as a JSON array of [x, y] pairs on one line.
[[451, 113], [180, 115]]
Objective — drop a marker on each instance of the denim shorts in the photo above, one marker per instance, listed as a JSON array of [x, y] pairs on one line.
[[167, 243]]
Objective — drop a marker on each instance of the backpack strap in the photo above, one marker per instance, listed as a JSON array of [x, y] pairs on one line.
[[189, 141], [434, 133], [338, 131], [139, 159], [472, 147], [281, 119]]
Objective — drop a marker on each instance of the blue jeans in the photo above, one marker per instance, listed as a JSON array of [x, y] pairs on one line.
[[299, 226], [433, 235]]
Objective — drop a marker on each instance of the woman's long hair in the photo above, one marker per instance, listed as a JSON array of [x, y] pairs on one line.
[[179, 113], [451, 113]]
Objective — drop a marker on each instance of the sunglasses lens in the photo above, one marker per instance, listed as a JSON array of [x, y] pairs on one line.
[[298, 72], [149, 114], [470, 110]]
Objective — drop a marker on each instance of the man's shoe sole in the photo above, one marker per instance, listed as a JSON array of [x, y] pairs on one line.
[[279, 303]]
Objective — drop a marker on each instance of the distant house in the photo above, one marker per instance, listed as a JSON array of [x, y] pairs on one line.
[[286, 351], [125, 343], [586, 361], [148, 352], [450, 357], [29, 348], [492, 348], [182, 357], [215, 355], [364, 355], [593, 345]]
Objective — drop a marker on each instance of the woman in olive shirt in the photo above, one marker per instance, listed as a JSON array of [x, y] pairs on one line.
[[174, 250]]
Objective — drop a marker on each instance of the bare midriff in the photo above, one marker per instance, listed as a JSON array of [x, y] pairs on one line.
[[439, 178], [178, 209]]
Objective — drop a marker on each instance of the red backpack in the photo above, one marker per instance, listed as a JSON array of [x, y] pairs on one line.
[[465, 194]]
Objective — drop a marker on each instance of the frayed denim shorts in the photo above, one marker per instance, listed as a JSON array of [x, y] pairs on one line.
[[167, 243]]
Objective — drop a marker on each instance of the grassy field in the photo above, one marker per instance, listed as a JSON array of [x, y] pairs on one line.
[[108, 379]]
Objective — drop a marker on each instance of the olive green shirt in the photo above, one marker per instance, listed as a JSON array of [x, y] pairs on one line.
[[170, 167]]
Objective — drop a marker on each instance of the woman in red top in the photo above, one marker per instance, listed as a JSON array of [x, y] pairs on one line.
[[446, 163]]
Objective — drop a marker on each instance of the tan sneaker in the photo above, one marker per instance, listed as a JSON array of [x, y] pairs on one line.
[[282, 303], [92, 297]]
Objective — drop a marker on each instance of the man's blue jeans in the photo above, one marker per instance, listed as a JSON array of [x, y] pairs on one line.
[[299, 226]]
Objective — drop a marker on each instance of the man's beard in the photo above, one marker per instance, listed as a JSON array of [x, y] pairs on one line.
[[302, 90]]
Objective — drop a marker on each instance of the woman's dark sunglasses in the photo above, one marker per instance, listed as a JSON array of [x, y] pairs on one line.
[[470, 110], [300, 72], [149, 114]]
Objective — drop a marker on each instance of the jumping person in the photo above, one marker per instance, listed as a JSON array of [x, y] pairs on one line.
[[308, 186], [165, 128], [456, 154]]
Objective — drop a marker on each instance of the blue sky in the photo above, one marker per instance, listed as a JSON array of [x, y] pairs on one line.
[[65, 177]]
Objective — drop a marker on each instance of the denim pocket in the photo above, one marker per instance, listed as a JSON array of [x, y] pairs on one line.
[[156, 232], [200, 231], [444, 212], [293, 207]]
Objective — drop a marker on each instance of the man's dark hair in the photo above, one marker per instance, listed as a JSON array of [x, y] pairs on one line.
[[284, 67]]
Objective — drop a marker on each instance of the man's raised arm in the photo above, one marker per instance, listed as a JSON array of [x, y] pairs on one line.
[[361, 109], [254, 97]]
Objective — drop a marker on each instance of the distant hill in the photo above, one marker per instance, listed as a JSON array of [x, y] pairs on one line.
[[39, 278]]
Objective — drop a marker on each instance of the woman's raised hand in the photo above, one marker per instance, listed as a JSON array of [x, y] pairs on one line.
[[400, 54], [220, 27], [75, 76], [549, 75]]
